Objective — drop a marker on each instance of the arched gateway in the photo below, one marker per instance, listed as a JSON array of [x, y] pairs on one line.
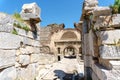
[[69, 51], [62, 42]]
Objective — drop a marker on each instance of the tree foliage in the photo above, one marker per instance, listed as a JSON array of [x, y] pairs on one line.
[[115, 7]]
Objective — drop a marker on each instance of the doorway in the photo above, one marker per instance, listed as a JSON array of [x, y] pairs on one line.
[[69, 52]]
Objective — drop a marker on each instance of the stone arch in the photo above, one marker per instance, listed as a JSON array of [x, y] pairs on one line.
[[69, 51], [69, 35]]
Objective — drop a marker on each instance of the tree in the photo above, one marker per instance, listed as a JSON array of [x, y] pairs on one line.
[[116, 7]]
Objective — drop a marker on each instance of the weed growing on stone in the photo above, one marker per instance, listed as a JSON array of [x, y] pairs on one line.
[[15, 32]]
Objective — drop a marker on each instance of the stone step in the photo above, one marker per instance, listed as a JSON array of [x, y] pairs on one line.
[[115, 64]]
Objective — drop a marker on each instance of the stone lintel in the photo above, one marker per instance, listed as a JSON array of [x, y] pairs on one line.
[[109, 52], [109, 37], [30, 16], [100, 11]]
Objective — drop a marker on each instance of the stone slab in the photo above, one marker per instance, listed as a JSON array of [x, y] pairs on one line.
[[109, 52], [113, 74], [9, 41], [29, 49], [24, 59], [5, 19], [6, 28], [8, 74], [21, 32], [104, 74], [99, 71], [34, 58], [109, 37], [24, 33], [107, 21], [102, 21], [91, 3], [36, 43], [116, 20], [30, 34], [31, 42], [115, 64], [28, 16], [24, 51], [36, 50], [7, 58], [28, 41], [101, 11], [28, 73]]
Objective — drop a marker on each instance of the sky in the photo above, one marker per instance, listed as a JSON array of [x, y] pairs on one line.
[[52, 11]]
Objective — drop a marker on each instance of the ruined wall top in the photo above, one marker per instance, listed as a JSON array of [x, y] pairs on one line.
[[46, 32], [91, 3], [30, 10], [101, 16], [91, 7], [105, 24]]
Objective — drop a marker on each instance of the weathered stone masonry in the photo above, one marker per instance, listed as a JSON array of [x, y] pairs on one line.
[[100, 42], [20, 52], [60, 42]]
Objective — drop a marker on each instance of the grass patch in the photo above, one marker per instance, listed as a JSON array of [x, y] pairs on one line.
[[20, 24], [17, 16], [15, 32], [17, 25], [26, 28]]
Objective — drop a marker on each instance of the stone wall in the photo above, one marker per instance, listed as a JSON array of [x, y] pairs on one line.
[[19, 53], [100, 42], [48, 31], [51, 42], [46, 37]]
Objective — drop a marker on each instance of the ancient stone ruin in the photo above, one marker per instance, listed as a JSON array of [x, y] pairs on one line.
[[66, 44], [100, 42], [19, 48], [31, 52]]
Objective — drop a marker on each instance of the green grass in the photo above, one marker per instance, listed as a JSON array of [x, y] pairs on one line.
[[15, 32], [26, 28], [20, 23], [17, 25], [17, 16]]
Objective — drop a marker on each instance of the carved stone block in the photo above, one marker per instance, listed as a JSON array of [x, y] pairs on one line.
[[109, 52]]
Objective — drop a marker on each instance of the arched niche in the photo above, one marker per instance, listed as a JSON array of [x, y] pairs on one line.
[[69, 35]]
